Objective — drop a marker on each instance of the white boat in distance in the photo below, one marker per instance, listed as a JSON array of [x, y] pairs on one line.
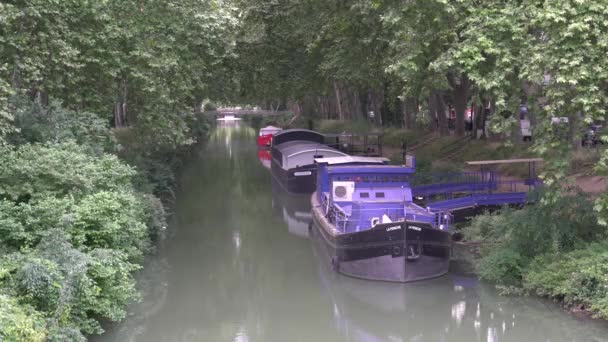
[[229, 117]]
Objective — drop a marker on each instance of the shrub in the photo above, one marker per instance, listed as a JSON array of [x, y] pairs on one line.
[[110, 220], [545, 227], [490, 227], [72, 230], [75, 221], [550, 249], [19, 322], [577, 277], [502, 266], [41, 124], [58, 169], [24, 224]]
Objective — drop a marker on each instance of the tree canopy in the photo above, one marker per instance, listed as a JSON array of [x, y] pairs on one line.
[[411, 60]]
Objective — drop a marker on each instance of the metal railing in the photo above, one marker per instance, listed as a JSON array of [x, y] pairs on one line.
[[359, 219], [356, 144], [471, 183]]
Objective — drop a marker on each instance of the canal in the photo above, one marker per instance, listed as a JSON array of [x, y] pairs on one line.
[[239, 265]]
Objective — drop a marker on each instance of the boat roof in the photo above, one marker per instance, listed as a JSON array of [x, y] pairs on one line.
[[294, 147], [270, 128], [287, 145], [504, 161], [287, 135], [296, 130], [352, 159], [374, 134], [375, 168]]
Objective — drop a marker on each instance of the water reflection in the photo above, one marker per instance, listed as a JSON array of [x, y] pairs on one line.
[[294, 209], [235, 268]]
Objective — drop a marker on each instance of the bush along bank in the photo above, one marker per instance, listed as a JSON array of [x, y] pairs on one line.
[[75, 222], [554, 249]]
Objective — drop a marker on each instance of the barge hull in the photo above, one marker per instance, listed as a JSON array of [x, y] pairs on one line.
[[398, 252], [300, 180]]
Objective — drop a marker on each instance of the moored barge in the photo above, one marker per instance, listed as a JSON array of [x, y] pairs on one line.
[[293, 152], [372, 229], [264, 138]]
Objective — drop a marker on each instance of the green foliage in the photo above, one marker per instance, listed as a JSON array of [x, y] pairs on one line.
[[141, 64], [6, 117], [58, 169], [549, 248], [577, 277], [339, 126], [75, 220], [359, 55], [19, 322], [71, 287], [73, 229], [490, 227], [502, 266], [557, 226], [155, 212], [393, 137], [41, 124], [110, 220]]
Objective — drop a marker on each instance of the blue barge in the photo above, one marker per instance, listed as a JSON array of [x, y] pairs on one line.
[[364, 212]]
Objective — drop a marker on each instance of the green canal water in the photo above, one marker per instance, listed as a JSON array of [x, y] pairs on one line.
[[238, 265]]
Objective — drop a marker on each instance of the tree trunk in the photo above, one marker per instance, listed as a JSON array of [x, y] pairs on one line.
[[480, 119], [411, 109], [433, 123], [120, 107], [460, 89], [377, 104], [440, 107], [358, 109], [338, 101], [118, 122]]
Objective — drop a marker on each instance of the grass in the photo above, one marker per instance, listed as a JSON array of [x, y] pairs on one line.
[[339, 126], [432, 156], [584, 160]]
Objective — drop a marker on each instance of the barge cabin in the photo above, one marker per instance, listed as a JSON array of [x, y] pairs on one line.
[[293, 152], [371, 228]]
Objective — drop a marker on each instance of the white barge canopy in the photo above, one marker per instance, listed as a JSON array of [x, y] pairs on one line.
[[352, 160], [299, 153], [270, 130]]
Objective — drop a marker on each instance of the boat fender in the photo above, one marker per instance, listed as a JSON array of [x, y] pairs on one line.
[[374, 221]]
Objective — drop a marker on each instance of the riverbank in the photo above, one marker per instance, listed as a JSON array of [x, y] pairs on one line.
[[554, 249], [80, 207]]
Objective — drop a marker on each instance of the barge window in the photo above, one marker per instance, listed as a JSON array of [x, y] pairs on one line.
[[364, 195], [379, 194]]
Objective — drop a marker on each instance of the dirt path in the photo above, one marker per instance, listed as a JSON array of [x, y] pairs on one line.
[[595, 185]]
